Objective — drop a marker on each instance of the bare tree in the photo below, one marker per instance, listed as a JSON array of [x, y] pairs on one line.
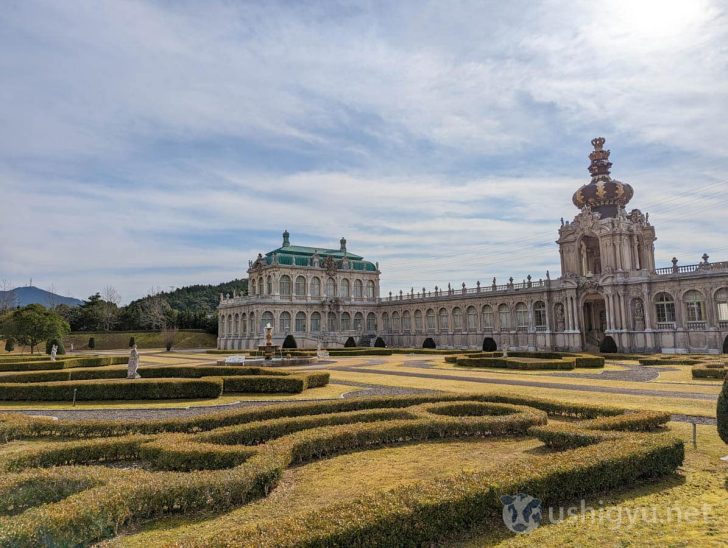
[[154, 310], [110, 310], [8, 299], [52, 299]]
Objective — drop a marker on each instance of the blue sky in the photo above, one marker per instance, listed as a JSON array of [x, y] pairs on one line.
[[155, 144]]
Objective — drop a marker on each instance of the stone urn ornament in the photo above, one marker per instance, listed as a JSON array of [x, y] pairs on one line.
[[131, 372]]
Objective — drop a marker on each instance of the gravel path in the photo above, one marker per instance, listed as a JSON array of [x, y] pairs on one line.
[[171, 412], [536, 384]]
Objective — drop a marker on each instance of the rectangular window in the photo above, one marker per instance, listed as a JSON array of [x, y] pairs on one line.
[[301, 324], [695, 311], [540, 317], [665, 312]]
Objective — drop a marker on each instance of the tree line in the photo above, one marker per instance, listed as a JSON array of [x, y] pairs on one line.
[[191, 307]]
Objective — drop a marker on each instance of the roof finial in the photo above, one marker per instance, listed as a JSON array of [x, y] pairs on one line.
[[286, 241], [600, 164]]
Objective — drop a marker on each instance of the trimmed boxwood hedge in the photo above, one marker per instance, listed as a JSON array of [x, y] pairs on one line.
[[515, 363], [64, 363], [671, 360], [709, 371], [108, 389], [33, 386], [229, 466]]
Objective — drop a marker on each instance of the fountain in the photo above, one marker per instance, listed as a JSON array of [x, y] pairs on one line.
[[268, 348]]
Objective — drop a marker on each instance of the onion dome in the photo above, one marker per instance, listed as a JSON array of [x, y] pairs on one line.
[[603, 194]]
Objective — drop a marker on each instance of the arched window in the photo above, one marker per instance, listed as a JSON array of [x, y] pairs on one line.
[[315, 322], [385, 322], [396, 325], [472, 318], [316, 287], [244, 323], [331, 287], [358, 321], [269, 286], [665, 310], [695, 306], [370, 289], [300, 322], [253, 287], [358, 289], [345, 321], [406, 321], [251, 323], [236, 324], [522, 316], [344, 289], [371, 322], [265, 319], [430, 319], [443, 323], [300, 286], [418, 320], [260, 285], [285, 286], [539, 314], [487, 317], [457, 319], [721, 302], [331, 324], [504, 317], [285, 322]]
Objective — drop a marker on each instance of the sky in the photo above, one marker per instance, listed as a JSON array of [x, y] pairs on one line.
[[148, 145]]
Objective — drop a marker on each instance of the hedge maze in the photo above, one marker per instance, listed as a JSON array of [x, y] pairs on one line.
[[99, 379], [69, 490]]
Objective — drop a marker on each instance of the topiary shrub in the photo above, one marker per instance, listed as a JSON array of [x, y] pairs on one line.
[[350, 343], [290, 342], [379, 343], [132, 341], [429, 343], [722, 412], [92, 343], [59, 344], [168, 346], [725, 345], [608, 346], [489, 344], [9, 345]]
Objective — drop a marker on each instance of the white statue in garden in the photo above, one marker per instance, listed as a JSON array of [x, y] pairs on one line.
[[54, 351], [133, 364]]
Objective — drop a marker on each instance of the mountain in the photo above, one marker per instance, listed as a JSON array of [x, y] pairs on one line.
[[21, 296], [199, 298]]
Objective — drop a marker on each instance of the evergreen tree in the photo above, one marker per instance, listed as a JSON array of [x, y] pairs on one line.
[[9, 345]]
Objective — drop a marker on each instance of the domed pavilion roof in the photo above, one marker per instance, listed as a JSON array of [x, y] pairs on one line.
[[603, 194]]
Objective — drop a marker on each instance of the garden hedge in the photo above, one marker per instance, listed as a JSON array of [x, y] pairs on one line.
[[217, 461], [515, 363], [113, 389], [709, 371], [63, 363], [670, 360], [57, 385]]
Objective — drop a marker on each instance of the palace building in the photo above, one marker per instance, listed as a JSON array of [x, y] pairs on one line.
[[609, 287]]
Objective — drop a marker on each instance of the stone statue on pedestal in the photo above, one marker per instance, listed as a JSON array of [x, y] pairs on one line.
[[54, 351], [133, 364]]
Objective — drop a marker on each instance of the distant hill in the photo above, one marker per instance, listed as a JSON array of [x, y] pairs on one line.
[[22, 296]]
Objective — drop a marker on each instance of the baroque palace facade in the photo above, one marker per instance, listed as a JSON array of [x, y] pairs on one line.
[[609, 287]]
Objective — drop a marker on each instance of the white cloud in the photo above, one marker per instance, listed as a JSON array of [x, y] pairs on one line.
[[445, 143]]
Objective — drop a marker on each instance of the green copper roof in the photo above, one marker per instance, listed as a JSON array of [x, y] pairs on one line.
[[310, 251]]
